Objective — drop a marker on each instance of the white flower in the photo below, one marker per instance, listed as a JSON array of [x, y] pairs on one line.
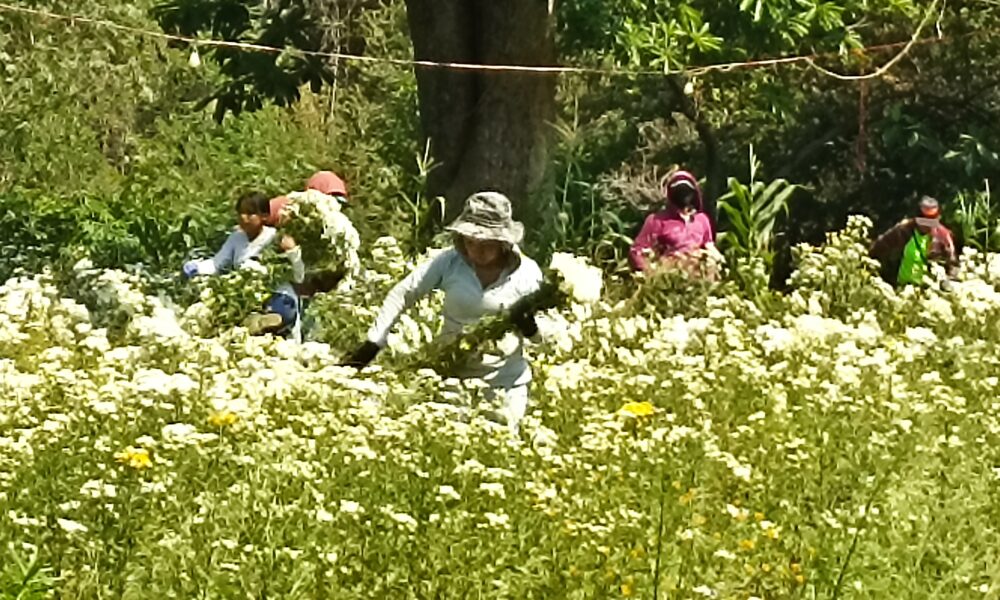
[[724, 554], [104, 407], [580, 280], [403, 519], [447, 492], [493, 489], [350, 507], [742, 471], [501, 520], [704, 590], [70, 526]]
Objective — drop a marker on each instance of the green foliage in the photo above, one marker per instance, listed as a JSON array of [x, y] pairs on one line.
[[589, 222], [22, 579], [105, 152], [728, 452], [978, 219], [839, 277], [254, 78], [674, 35], [752, 213]]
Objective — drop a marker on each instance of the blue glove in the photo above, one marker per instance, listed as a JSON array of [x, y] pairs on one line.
[[190, 269]]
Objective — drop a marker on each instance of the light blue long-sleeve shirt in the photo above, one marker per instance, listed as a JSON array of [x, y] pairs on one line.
[[238, 252], [465, 302]]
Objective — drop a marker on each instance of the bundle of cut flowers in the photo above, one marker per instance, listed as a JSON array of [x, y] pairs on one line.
[[225, 300], [327, 237], [569, 279]]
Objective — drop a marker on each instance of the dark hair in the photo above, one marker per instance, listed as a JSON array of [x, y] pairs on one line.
[[683, 196], [253, 203]]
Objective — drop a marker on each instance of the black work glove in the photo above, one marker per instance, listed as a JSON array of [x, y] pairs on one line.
[[363, 355], [525, 323]]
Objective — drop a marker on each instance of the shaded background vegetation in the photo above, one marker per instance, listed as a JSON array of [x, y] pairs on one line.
[[111, 143]]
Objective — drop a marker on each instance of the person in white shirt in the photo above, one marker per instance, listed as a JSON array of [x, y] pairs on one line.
[[244, 244], [484, 273]]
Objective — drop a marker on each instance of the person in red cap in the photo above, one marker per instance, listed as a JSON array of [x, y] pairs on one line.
[[324, 182], [677, 233], [329, 183], [914, 243]]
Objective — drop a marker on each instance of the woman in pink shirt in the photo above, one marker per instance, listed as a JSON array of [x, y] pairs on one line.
[[679, 231]]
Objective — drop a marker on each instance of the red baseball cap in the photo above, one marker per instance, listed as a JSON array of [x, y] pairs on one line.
[[327, 182]]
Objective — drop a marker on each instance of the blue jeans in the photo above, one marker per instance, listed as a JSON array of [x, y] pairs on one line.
[[286, 306]]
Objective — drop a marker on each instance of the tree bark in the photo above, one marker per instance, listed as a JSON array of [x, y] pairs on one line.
[[488, 130], [715, 176]]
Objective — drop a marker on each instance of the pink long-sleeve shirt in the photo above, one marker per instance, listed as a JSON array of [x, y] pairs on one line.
[[666, 233]]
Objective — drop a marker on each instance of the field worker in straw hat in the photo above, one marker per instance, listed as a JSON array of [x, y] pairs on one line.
[[681, 234], [483, 273], [908, 248]]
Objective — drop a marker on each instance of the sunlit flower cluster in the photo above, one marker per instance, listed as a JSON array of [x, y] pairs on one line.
[[742, 449]]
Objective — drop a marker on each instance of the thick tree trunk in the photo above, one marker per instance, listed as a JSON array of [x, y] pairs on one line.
[[488, 130]]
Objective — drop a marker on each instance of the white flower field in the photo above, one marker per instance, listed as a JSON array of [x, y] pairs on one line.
[[841, 440]]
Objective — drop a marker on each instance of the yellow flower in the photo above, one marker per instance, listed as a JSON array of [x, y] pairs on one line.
[[688, 498], [795, 567], [766, 567], [137, 458], [222, 419], [698, 520], [800, 579], [747, 544], [627, 589], [637, 409], [758, 516]]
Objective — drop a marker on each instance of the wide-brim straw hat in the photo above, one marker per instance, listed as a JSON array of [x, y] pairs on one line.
[[488, 216]]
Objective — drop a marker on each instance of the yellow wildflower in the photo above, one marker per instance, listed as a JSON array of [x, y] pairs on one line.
[[800, 579], [222, 419], [758, 516], [747, 544], [795, 567], [627, 589], [688, 498], [137, 458], [766, 567], [637, 409], [698, 520]]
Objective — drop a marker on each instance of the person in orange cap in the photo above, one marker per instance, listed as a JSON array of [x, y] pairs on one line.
[[329, 183], [914, 243]]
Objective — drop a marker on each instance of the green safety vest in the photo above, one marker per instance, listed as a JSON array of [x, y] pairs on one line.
[[914, 265]]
